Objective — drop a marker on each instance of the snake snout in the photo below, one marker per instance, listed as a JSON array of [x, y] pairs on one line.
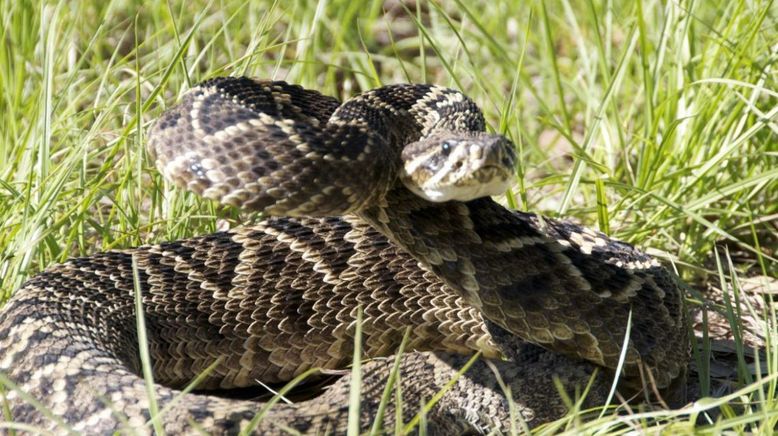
[[497, 154]]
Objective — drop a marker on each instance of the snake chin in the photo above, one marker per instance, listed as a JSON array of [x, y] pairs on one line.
[[486, 182]]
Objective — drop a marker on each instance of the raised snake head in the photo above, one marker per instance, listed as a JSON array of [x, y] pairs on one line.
[[458, 166]]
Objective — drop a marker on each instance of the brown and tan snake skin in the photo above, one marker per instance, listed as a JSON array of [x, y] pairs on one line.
[[348, 229]]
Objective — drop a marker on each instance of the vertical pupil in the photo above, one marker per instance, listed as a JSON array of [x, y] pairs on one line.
[[446, 147]]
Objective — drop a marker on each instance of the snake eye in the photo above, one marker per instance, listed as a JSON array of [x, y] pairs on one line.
[[446, 148]]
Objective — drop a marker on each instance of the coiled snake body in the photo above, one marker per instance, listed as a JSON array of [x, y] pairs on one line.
[[375, 205]]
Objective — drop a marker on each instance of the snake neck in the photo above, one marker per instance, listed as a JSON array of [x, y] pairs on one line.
[[404, 113], [552, 283]]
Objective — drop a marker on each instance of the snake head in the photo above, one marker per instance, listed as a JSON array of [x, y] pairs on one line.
[[459, 166]]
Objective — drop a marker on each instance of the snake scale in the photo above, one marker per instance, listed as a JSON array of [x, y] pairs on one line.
[[378, 205]]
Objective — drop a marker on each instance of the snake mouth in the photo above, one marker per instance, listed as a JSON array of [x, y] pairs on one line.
[[486, 181]]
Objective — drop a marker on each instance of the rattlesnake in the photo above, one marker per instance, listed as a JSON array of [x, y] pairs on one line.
[[375, 207]]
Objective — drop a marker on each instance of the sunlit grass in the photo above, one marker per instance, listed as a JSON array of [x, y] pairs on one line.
[[654, 121]]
